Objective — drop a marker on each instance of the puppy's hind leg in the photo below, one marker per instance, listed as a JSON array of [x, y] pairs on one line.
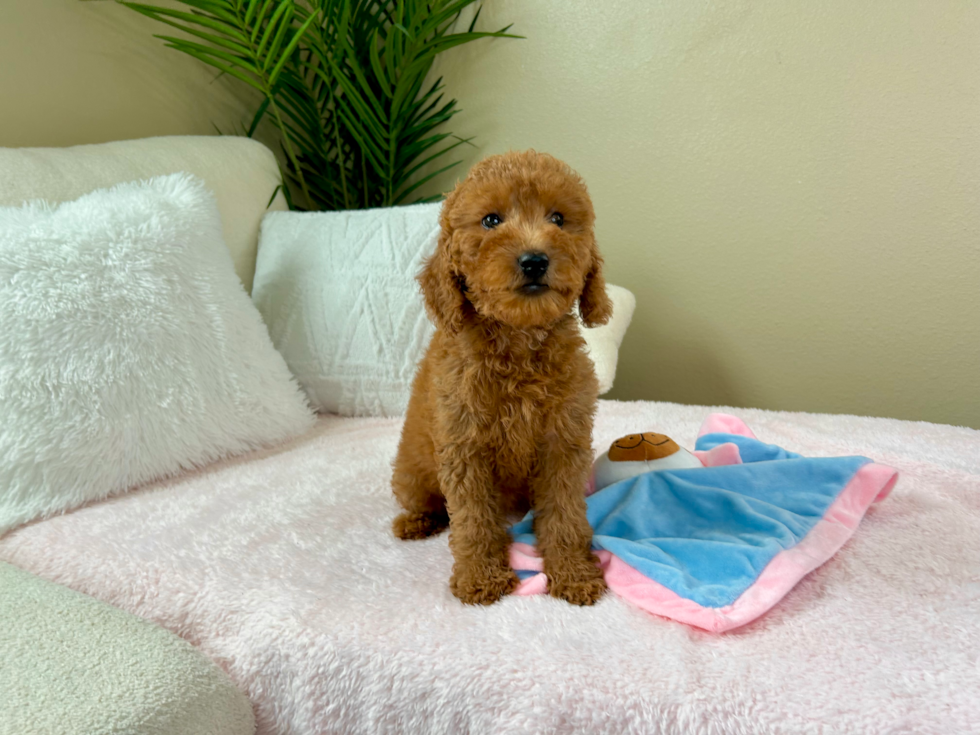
[[425, 513], [416, 488]]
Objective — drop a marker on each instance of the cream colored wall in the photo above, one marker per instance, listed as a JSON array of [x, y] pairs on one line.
[[75, 72], [791, 189]]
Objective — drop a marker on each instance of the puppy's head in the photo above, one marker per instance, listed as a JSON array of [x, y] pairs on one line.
[[517, 246]]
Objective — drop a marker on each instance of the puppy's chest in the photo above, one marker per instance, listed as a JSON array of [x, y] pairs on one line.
[[511, 399], [518, 416], [512, 414], [512, 428]]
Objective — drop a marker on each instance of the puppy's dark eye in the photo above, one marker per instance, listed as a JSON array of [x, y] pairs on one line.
[[491, 221], [557, 219]]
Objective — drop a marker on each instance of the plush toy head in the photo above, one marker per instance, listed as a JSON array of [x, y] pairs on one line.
[[635, 454]]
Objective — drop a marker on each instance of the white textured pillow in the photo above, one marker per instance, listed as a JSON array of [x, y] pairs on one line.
[[603, 342], [338, 292], [128, 348]]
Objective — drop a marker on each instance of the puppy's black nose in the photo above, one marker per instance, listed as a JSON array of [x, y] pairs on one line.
[[533, 264]]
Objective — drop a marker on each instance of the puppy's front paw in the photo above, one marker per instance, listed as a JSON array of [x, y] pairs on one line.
[[483, 585], [580, 585]]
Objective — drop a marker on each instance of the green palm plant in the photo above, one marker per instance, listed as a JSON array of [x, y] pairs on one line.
[[342, 82]]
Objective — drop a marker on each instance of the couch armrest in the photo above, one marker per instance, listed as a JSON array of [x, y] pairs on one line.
[[72, 664]]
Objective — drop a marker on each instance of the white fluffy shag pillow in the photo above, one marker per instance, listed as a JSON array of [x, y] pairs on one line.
[[129, 350], [338, 292]]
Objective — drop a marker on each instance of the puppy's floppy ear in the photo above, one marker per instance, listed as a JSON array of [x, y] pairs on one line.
[[442, 284], [594, 304]]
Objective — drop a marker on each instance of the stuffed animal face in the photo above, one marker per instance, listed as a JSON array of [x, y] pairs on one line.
[[635, 454], [642, 447]]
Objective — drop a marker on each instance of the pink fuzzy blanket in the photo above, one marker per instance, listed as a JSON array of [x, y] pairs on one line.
[[282, 568]]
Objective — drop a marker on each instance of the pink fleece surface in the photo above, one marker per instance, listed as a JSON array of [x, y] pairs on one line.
[[281, 567]]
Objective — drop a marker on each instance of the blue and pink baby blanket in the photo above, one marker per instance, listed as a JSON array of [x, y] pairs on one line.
[[716, 547]]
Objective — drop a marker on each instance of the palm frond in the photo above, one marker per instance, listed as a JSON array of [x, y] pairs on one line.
[[342, 82]]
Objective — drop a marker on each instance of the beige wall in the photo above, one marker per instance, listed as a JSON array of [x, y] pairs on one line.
[[790, 188], [75, 72]]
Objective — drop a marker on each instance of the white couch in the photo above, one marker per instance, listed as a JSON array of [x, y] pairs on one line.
[[280, 567]]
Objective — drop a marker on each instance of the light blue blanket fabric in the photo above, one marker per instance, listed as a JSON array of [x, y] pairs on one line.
[[707, 533]]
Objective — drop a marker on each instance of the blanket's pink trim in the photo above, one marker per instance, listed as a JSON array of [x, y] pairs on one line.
[[525, 557], [725, 423], [871, 483]]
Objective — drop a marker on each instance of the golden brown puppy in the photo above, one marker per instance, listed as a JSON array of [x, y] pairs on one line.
[[500, 416]]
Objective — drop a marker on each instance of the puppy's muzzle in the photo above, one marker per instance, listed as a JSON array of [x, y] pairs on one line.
[[533, 265]]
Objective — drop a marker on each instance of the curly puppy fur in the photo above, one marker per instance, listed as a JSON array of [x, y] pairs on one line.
[[500, 417]]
